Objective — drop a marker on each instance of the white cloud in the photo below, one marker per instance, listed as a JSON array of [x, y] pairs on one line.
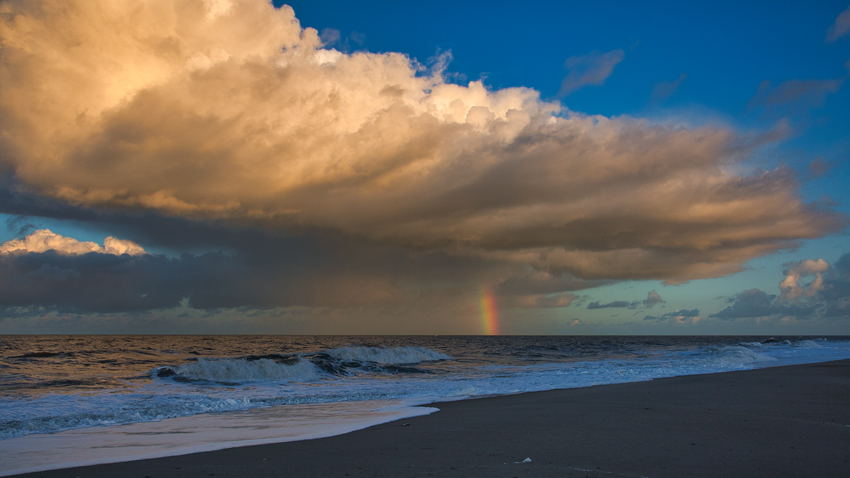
[[795, 271], [44, 240]]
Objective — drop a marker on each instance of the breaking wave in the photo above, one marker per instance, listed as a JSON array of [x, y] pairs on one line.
[[242, 370], [395, 356], [342, 361]]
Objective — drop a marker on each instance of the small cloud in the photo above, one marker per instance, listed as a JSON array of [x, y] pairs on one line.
[[839, 308], [679, 317], [357, 37], [750, 303], [840, 27], [615, 304], [590, 69], [666, 88], [543, 283], [793, 96], [575, 322], [819, 167], [45, 240], [20, 225], [795, 271], [652, 299], [555, 300], [329, 36], [539, 301], [333, 37]]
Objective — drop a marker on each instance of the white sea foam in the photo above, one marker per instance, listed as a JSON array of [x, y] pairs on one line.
[[196, 434], [734, 355], [242, 370], [394, 356], [807, 344]]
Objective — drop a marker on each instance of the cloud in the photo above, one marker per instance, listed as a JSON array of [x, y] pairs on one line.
[[44, 240], [793, 96], [20, 225], [297, 272], [539, 289], [540, 301], [614, 304], [827, 295], [539, 282], [591, 69], [818, 167], [790, 286], [840, 27], [666, 88], [329, 36], [652, 299], [238, 117], [755, 303], [750, 303], [679, 317], [836, 289]]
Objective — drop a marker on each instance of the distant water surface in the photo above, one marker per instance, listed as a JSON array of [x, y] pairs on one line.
[[51, 384]]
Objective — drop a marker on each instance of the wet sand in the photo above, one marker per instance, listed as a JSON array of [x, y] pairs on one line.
[[774, 422]]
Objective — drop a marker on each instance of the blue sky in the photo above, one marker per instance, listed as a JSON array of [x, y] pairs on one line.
[[210, 186]]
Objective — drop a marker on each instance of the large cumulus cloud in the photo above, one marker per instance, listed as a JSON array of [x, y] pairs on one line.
[[231, 111]]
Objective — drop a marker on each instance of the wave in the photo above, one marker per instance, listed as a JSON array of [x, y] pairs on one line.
[[241, 370], [302, 368], [359, 373], [395, 356], [807, 344], [105, 411], [38, 355], [728, 357]]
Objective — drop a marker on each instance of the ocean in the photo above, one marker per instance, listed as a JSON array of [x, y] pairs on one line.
[[74, 400]]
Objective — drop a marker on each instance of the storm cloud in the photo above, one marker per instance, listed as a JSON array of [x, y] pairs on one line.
[[278, 272], [230, 114]]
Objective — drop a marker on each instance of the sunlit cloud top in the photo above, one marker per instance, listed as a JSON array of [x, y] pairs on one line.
[[230, 110], [44, 240]]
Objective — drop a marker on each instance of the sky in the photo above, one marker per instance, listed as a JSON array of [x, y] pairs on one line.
[[237, 166]]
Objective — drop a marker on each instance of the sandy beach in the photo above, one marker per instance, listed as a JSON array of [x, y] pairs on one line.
[[782, 421]]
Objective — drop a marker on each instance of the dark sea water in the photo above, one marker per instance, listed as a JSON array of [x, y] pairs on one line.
[[61, 390]]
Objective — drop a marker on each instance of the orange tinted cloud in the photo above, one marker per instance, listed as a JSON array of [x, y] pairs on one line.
[[45, 240], [230, 110]]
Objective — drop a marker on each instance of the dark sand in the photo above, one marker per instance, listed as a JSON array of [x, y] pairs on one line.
[[775, 422]]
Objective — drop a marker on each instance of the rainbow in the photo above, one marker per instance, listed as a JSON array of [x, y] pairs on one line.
[[489, 314]]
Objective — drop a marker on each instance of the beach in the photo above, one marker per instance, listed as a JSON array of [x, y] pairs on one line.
[[780, 421]]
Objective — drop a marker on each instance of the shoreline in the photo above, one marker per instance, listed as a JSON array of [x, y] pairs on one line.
[[777, 421]]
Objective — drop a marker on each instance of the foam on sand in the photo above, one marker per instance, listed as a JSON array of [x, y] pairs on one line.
[[200, 433]]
